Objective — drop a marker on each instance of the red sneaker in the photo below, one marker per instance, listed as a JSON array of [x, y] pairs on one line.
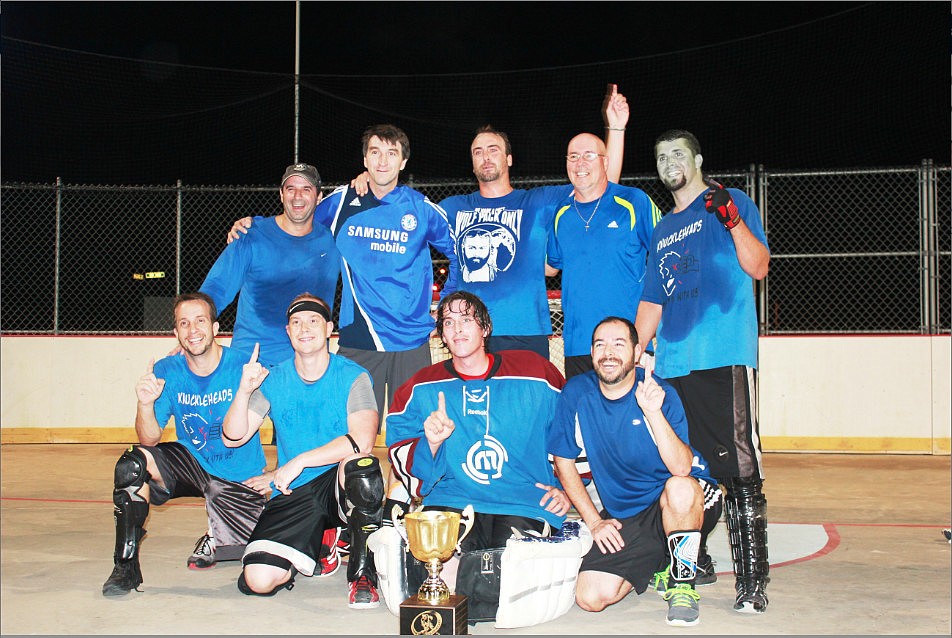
[[331, 562], [363, 595]]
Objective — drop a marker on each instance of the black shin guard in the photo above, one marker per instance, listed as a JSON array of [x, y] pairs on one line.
[[364, 492], [130, 508], [747, 527]]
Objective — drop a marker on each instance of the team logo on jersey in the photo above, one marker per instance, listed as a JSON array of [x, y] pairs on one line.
[[485, 460], [673, 267], [408, 222], [614, 224], [196, 428], [485, 250], [354, 202]]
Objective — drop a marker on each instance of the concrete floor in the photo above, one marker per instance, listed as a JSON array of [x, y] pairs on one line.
[[855, 541]]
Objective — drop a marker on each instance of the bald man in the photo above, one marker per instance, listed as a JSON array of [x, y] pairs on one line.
[[599, 240]]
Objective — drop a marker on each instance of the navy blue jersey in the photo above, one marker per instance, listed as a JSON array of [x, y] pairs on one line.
[[622, 452], [386, 265]]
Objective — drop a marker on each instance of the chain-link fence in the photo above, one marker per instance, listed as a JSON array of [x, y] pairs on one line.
[[853, 251]]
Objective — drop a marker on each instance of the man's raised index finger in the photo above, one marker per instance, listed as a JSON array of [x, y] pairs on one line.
[[254, 355], [441, 403]]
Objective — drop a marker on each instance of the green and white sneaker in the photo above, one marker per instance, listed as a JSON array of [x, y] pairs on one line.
[[684, 609]]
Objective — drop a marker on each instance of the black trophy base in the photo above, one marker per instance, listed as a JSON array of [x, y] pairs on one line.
[[420, 618]]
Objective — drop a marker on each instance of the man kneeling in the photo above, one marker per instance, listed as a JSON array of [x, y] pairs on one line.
[[656, 489], [325, 416]]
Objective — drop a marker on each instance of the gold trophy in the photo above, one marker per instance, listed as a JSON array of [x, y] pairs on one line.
[[432, 537]]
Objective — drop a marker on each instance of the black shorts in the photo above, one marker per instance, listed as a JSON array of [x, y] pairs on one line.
[[577, 364], [535, 343], [492, 530], [721, 408], [646, 543], [233, 508], [292, 525]]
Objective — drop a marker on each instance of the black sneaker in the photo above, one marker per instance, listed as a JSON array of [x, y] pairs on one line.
[[125, 577], [705, 571], [751, 596]]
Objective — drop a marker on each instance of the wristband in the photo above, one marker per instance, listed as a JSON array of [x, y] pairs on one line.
[[612, 128]]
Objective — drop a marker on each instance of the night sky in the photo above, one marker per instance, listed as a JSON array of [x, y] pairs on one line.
[[789, 85]]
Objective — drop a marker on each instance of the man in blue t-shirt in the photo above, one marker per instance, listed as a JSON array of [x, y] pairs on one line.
[[195, 390], [281, 257], [699, 302], [656, 489], [599, 240]]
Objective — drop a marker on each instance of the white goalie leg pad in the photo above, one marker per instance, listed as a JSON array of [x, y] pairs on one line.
[[538, 578], [390, 558]]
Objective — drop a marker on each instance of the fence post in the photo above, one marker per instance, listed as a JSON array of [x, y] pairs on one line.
[[178, 238], [928, 250], [56, 256], [757, 178]]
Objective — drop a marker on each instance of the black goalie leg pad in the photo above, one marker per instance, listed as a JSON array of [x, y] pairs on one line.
[[747, 527], [364, 494], [130, 508]]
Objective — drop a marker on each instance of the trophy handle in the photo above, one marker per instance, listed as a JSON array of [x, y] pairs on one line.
[[466, 518]]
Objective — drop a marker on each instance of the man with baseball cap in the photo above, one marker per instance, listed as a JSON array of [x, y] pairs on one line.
[[282, 256]]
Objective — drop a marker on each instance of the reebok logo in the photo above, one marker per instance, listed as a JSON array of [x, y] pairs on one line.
[[614, 224], [355, 202]]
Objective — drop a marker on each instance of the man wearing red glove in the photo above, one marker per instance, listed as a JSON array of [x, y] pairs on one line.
[[698, 301]]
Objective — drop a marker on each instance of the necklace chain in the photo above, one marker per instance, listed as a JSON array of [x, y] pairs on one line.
[[586, 221]]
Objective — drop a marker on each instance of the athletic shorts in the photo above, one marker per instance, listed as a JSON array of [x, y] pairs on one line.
[[233, 508], [646, 543], [577, 364], [388, 370], [492, 530], [721, 408], [292, 525]]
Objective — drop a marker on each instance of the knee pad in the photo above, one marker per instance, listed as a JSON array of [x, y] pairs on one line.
[[131, 471], [130, 509], [364, 493], [363, 487]]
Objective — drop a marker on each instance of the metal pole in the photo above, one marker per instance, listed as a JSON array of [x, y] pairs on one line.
[[297, 75], [178, 238], [56, 256]]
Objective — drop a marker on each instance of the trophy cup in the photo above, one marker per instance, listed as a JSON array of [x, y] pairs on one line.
[[432, 537]]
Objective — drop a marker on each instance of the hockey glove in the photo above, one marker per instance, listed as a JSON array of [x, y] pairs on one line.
[[718, 201]]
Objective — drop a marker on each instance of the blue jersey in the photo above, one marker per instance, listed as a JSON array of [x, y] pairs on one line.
[[198, 405], [308, 415], [603, 266], [621, 450], [270, 268], [496, 453], [501, 243], [709, 316], [386, 266]]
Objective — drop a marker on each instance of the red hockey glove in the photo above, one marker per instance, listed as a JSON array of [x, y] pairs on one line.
[[718, 201]]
